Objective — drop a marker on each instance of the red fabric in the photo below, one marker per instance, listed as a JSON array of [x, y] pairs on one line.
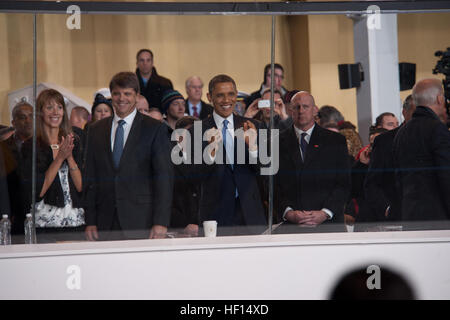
[[359, 153]]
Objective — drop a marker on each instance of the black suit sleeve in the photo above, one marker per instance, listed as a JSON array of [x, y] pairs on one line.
[[338, 197], [162, 171], [89, 183], [374, 196], [441, 155], [4, 195]]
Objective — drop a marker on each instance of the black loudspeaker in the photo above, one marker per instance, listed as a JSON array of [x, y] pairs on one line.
[[350, 75], [407, 72]]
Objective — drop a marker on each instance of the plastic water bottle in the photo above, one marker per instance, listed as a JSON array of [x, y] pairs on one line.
[[30, 234], [5, 226]]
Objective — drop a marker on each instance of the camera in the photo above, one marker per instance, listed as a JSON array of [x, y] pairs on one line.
[[263, 104], [443, 66]]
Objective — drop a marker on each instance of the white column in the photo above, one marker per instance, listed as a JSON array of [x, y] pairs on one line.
[[376, 48]]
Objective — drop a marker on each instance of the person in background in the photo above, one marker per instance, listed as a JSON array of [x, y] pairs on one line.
[[101, 108], [195, 106], [263, 114], [79, 116], [155, 114], [186, 191], [152, 85], [421, 153], [278, 83], [174, 106], [386, 120], [380, 193], [142, 105], [22, 123], [240, 107], [58, 213]]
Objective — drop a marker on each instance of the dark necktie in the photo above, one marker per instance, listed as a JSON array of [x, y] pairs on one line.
[[303, 145], [118, 143], [195, 114]]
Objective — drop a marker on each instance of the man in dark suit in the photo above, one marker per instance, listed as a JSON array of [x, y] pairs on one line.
[[422, 155], [195, 106], [380, 193], [22, 121], [229, 188], [152, 85], [313, 182], [129, 170]]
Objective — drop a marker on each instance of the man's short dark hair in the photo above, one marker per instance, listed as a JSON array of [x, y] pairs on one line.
[[274, 92], [185, 123], [379, 119], [144, 50], [408, 103], [267, 68], [17, 107], [376, 130], [125, 80], [221, 78]]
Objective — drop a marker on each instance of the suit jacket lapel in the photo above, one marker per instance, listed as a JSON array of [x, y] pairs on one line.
[[294, 148], [313, 145], [132, 139], [107, 140]]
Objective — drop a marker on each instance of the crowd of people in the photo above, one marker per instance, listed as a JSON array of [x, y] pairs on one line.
[[110, 173]]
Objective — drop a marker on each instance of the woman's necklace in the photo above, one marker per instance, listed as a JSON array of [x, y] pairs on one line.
[[54, 146]]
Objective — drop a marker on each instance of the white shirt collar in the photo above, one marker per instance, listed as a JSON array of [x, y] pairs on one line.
[[219, 120], [308, 132], [128, 119]]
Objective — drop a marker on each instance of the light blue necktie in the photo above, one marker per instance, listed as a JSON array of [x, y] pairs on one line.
[[228, 143], [118, 143]]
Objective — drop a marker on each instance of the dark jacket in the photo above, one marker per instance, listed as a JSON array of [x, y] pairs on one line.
[[155, 88], [12, 161], [44, 157], [140, 190], [205, 112], [379, 187], [219, 183], [422, 157], [322, 181]]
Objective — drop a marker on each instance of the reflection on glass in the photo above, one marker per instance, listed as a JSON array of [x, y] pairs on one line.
[[335, 172]]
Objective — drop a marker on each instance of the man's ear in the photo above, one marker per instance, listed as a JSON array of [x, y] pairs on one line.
[[316, 111], [209, 97], [440, 99]]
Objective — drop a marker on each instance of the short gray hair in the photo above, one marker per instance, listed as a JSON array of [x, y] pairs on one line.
[[426, 91]]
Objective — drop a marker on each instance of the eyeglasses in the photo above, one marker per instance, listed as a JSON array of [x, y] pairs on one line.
[[277, 75]]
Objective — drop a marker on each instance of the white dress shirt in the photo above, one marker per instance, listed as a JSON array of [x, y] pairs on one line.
[[191, 108], [230, 129], [126, 127]]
